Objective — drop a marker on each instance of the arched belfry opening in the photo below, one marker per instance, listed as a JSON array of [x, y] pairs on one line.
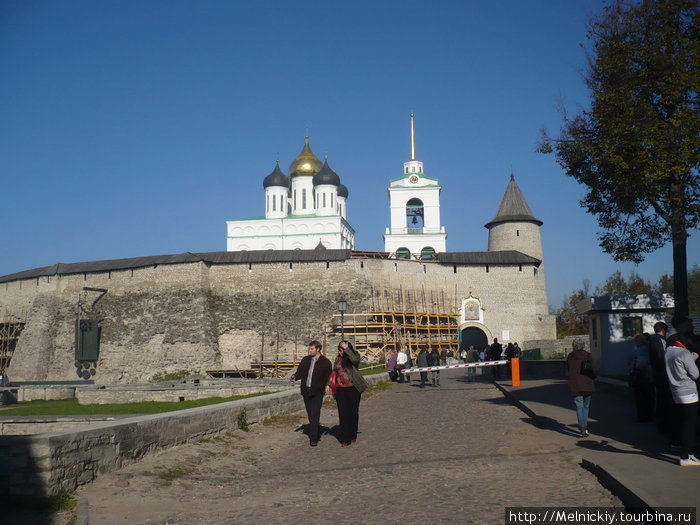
[[427, 253], [415, 215]]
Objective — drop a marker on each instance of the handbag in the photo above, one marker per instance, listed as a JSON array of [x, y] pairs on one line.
[[587, 369], [333, 386]]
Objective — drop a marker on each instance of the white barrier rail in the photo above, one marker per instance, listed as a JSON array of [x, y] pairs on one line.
[[445, 367]]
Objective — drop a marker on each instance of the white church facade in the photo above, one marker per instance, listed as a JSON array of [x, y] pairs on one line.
[[414, 198], [303, 211]]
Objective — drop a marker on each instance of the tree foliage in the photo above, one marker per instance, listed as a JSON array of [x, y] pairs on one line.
[[569, 322], [637, 148]]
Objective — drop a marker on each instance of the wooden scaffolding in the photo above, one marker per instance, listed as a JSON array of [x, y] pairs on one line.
[[11, 326], [404, 313]]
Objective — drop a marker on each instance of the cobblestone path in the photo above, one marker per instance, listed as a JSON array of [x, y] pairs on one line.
[[458, 453]]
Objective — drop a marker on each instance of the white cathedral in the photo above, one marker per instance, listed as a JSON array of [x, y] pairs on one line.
[[304, 211]]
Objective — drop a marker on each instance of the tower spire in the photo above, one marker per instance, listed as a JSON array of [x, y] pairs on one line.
[[413, 140]]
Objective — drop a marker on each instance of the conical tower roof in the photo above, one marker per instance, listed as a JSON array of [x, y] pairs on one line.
[[514, 207]]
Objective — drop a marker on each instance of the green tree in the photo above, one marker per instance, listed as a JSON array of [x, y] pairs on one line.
[[569, 321], [637, 148], [616, 284]]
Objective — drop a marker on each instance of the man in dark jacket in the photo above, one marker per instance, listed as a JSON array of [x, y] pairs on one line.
[[421, 362], [664, 400], [495, 351], [314, 370], [434, 360]]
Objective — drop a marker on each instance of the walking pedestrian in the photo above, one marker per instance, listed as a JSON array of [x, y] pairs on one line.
[[641, 380], [495, 351], [401, 360], [393, 374], [314, 371], [664, 399], [434, 360], [349, 387], [580, 385], [421, 362], [682, 374], [472, 356]]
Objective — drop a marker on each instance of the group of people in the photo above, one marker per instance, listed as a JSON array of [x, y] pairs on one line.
[[401, 360], [342, 379], [663, 374]]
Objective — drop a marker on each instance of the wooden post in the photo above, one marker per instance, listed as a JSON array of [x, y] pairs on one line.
[[277, 354], [262, 354], [515, 371]]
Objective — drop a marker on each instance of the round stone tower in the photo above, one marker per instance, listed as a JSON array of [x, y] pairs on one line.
[[515, 227]]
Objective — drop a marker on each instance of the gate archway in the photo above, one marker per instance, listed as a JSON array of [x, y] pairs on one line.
[[473, 335]]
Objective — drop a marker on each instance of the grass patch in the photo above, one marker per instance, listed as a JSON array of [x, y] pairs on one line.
[[243, 421], [70, 407], [282, 419], [174, 473], [378, 387], [62, 502]]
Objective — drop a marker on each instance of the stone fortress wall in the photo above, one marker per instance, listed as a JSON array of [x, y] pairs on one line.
[[199, 316]]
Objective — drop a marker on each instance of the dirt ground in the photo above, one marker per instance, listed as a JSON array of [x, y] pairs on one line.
[[458, 453]]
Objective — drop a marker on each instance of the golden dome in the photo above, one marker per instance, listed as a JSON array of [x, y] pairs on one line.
[[306, 163]]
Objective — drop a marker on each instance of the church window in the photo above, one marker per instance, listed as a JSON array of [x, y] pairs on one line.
[[295, 199], [303, 198], [274, 204], [406, 169], [324, 200], [331, 200]]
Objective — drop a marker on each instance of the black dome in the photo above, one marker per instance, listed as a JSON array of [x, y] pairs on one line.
[[276, 178], [326, 176], [342, 191]]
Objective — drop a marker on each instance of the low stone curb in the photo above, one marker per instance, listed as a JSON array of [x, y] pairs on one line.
[[44, 465]]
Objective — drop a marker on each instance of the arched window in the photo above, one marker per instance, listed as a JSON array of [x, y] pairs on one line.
[[414, 215], [427, 253], [403, 253]]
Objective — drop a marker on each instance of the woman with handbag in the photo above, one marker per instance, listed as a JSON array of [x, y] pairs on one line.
[[349, 385], [582, 369]]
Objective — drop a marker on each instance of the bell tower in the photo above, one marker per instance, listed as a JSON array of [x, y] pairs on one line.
[[414, 199]]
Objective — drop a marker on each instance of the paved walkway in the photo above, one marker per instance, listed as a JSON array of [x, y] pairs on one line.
[[632, 453], [459, 453]]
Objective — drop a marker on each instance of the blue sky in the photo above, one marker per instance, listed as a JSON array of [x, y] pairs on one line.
[[138, 128]]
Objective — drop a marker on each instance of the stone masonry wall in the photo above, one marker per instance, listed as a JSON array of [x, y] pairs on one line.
[[196, 317]]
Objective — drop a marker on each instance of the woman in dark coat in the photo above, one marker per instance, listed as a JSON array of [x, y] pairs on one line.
[[581, 386], [349, 387]]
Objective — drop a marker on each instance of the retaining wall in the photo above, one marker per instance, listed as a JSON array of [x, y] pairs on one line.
[[47, 464]]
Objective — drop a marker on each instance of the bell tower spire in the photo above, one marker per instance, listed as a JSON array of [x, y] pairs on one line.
[[413, 140]]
